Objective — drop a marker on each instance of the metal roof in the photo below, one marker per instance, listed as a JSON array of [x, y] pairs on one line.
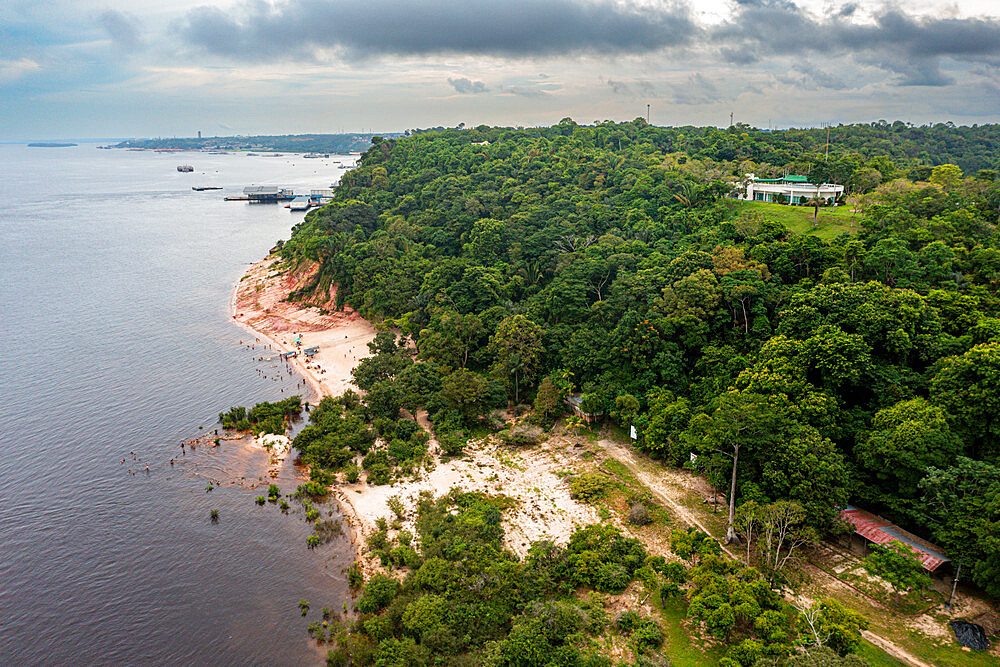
[[878, 530], [791, 178]]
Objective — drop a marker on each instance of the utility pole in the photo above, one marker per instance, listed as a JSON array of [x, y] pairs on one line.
[[827, 157], [647, 114], [730, 119], [954, 584]]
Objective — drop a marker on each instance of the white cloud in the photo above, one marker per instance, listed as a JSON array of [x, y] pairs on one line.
[[12, 70]]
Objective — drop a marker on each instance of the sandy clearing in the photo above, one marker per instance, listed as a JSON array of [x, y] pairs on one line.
[[544, 509]]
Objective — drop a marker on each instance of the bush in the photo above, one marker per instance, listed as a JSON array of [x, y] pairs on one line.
[[351, 473], [309, 489], [639, 515], [354, 577], [396, 505], [589, 486], [692, 542], [522, 435], [379, 474], [378, 592], [260, 500], [452, 442]]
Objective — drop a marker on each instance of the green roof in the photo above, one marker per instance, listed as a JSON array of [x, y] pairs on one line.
[[791, 178]]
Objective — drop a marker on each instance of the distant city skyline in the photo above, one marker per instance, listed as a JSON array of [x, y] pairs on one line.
[[91, 68]]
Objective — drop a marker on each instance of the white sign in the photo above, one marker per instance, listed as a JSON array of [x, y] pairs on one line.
[[632, 432]]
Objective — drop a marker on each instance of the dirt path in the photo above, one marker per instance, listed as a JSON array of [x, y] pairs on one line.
[[657, 486], [663, 486], [895, 650]]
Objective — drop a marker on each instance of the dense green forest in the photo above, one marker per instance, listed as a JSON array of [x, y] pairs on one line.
[[610, 260]]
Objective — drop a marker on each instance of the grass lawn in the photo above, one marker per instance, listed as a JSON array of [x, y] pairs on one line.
[[831, 223], [677, 643], [876, 657]]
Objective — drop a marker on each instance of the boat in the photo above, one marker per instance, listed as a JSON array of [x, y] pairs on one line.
[[185, 168], [206, 187], [315, 155], [300, 203]]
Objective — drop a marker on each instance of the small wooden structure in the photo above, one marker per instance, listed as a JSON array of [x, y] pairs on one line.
[[573, 402], [310, 351]]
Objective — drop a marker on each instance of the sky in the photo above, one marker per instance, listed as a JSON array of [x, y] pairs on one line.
[[151, 68]]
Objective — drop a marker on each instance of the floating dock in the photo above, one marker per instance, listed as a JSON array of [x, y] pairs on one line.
[[267, 193]]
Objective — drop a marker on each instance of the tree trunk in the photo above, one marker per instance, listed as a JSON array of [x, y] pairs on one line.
[[731, 529]]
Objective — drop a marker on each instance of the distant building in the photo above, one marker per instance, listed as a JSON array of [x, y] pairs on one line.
[[574, 401], [791, 189]]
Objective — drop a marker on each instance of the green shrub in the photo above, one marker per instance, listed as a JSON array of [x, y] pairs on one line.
[[303, 607], [589, 486], [522, 435], [452, 442], [396, 505], [312, 541], [351, 473], [354, 577], [260, 500], [379, 474], [377, 593], [310, 490]]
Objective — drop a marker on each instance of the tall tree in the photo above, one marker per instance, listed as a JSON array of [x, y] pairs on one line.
[[517, 345]]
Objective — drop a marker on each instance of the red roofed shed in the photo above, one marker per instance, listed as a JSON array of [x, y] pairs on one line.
[[876, 529]]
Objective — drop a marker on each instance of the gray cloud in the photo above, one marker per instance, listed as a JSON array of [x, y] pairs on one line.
[[619, 87], [518, 28], [524, 91], [467, 87], [909, 46], [697, 89], [633, 89], [757, 32], [122, 28]]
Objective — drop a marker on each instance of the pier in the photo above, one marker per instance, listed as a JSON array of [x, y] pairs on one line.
[[267, 193]]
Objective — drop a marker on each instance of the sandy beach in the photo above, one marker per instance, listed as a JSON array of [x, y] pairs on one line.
[[535, 478], [342, 336]]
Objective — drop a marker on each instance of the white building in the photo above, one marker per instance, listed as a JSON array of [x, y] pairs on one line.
[[791, 189]]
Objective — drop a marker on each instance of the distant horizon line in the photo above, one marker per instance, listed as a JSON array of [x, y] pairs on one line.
[[820, 125]]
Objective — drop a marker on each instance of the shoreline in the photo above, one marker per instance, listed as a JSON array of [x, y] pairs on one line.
[[265, 313], [535, 478], [320, 329]]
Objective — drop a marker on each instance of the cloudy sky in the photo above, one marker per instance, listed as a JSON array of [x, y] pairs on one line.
[[109, 68]]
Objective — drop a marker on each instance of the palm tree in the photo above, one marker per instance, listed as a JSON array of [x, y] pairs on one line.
[[815, 202]]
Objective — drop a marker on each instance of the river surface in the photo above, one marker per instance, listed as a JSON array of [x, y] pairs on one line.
[[116, 338]]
